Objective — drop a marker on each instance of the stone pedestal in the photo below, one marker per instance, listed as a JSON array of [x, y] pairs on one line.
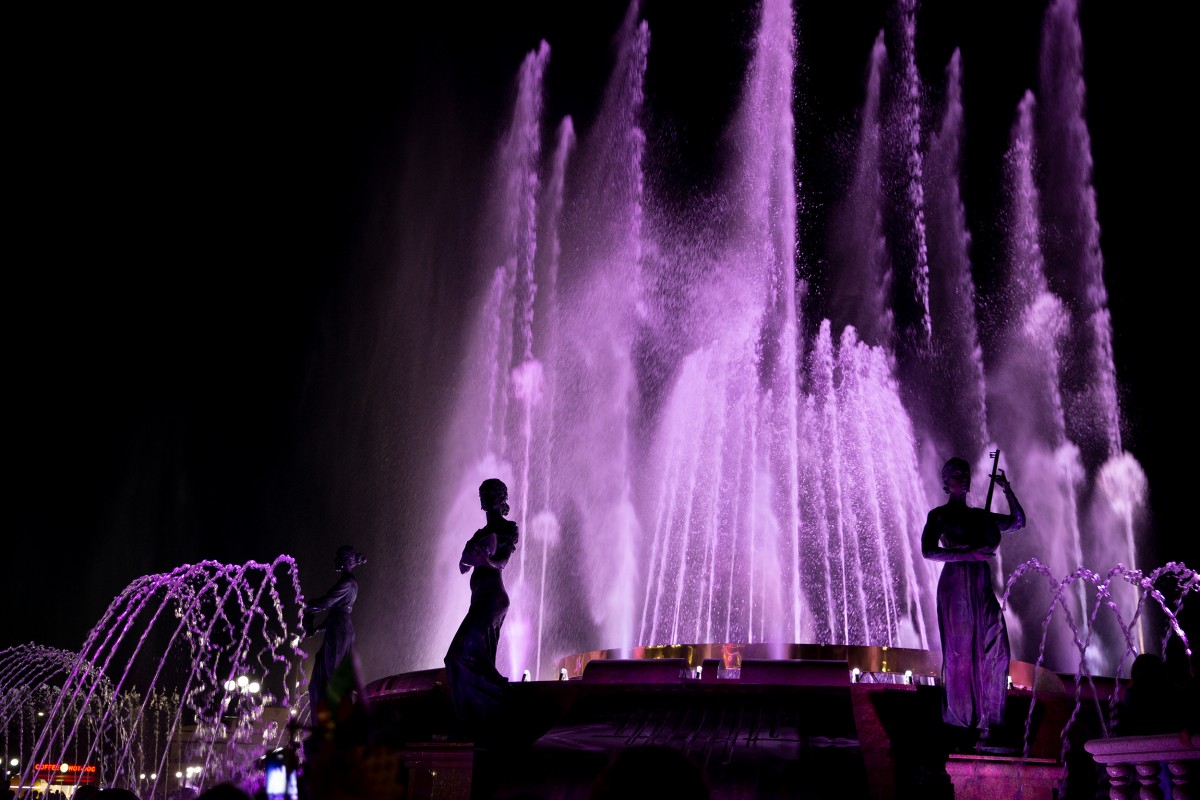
[[980, 777]]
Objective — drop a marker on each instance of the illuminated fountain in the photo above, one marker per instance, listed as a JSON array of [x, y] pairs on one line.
[[187, 680], [714, 434]]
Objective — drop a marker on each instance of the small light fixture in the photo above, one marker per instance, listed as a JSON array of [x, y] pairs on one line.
[[908, 678], [526, 677], [699, 671], [14, 762], [1010, 681], [63, 767], [855, 674], [562, 674]]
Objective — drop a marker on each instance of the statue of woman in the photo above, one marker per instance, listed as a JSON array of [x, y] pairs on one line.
[[339, 630], [477, 689], [975, 650]]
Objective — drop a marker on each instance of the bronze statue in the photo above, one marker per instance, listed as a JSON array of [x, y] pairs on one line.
[[477, 689], [974, 637], [338, 602]]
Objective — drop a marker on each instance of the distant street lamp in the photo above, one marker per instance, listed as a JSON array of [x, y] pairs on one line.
[[243, 684]]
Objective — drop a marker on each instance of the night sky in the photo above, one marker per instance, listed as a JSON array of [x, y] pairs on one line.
[[204, 212]]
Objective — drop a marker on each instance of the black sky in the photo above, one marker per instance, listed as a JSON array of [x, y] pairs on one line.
[[195, 203]]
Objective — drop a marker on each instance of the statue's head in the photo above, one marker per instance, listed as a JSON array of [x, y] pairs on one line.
[[348, 558], [956, 469], [493, 496]]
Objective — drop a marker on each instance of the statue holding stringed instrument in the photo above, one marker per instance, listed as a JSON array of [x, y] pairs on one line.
[[975, 649]]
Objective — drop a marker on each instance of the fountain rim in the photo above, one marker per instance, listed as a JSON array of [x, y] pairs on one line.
[[877, 659], [880, 660]]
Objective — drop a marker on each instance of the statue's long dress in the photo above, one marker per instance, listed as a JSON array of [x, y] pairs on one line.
[[975, 650], [339, 633], [477, 689], [975, 647]]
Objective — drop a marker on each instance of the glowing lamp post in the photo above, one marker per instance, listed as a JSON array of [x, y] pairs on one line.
[[243, 685]]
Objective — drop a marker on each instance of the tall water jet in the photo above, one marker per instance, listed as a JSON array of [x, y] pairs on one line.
[[907, 204], [724, 548], [1112, 497], [956, 358], [860, 265], [862, 489], [601, 292], [543, 531], [1072, 238], [1025, 407]]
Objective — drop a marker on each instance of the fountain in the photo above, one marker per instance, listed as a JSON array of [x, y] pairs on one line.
[[719, 431], [186, 681], [719, 425]]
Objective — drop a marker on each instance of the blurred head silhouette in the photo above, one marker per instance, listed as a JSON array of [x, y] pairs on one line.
[[493, 496], [347, 558]]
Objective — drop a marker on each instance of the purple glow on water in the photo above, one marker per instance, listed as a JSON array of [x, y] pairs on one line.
[[703, 450], [158, 659]]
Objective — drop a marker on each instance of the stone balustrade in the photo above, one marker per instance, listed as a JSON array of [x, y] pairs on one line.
[[1135, 765]]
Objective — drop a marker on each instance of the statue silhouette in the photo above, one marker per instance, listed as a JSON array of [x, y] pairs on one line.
[[975, 649], [477, 689], [339, 630]]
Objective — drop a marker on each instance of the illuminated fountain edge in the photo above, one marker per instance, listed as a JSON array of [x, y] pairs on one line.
[[867, 659], [882, 664], [875, 664]]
